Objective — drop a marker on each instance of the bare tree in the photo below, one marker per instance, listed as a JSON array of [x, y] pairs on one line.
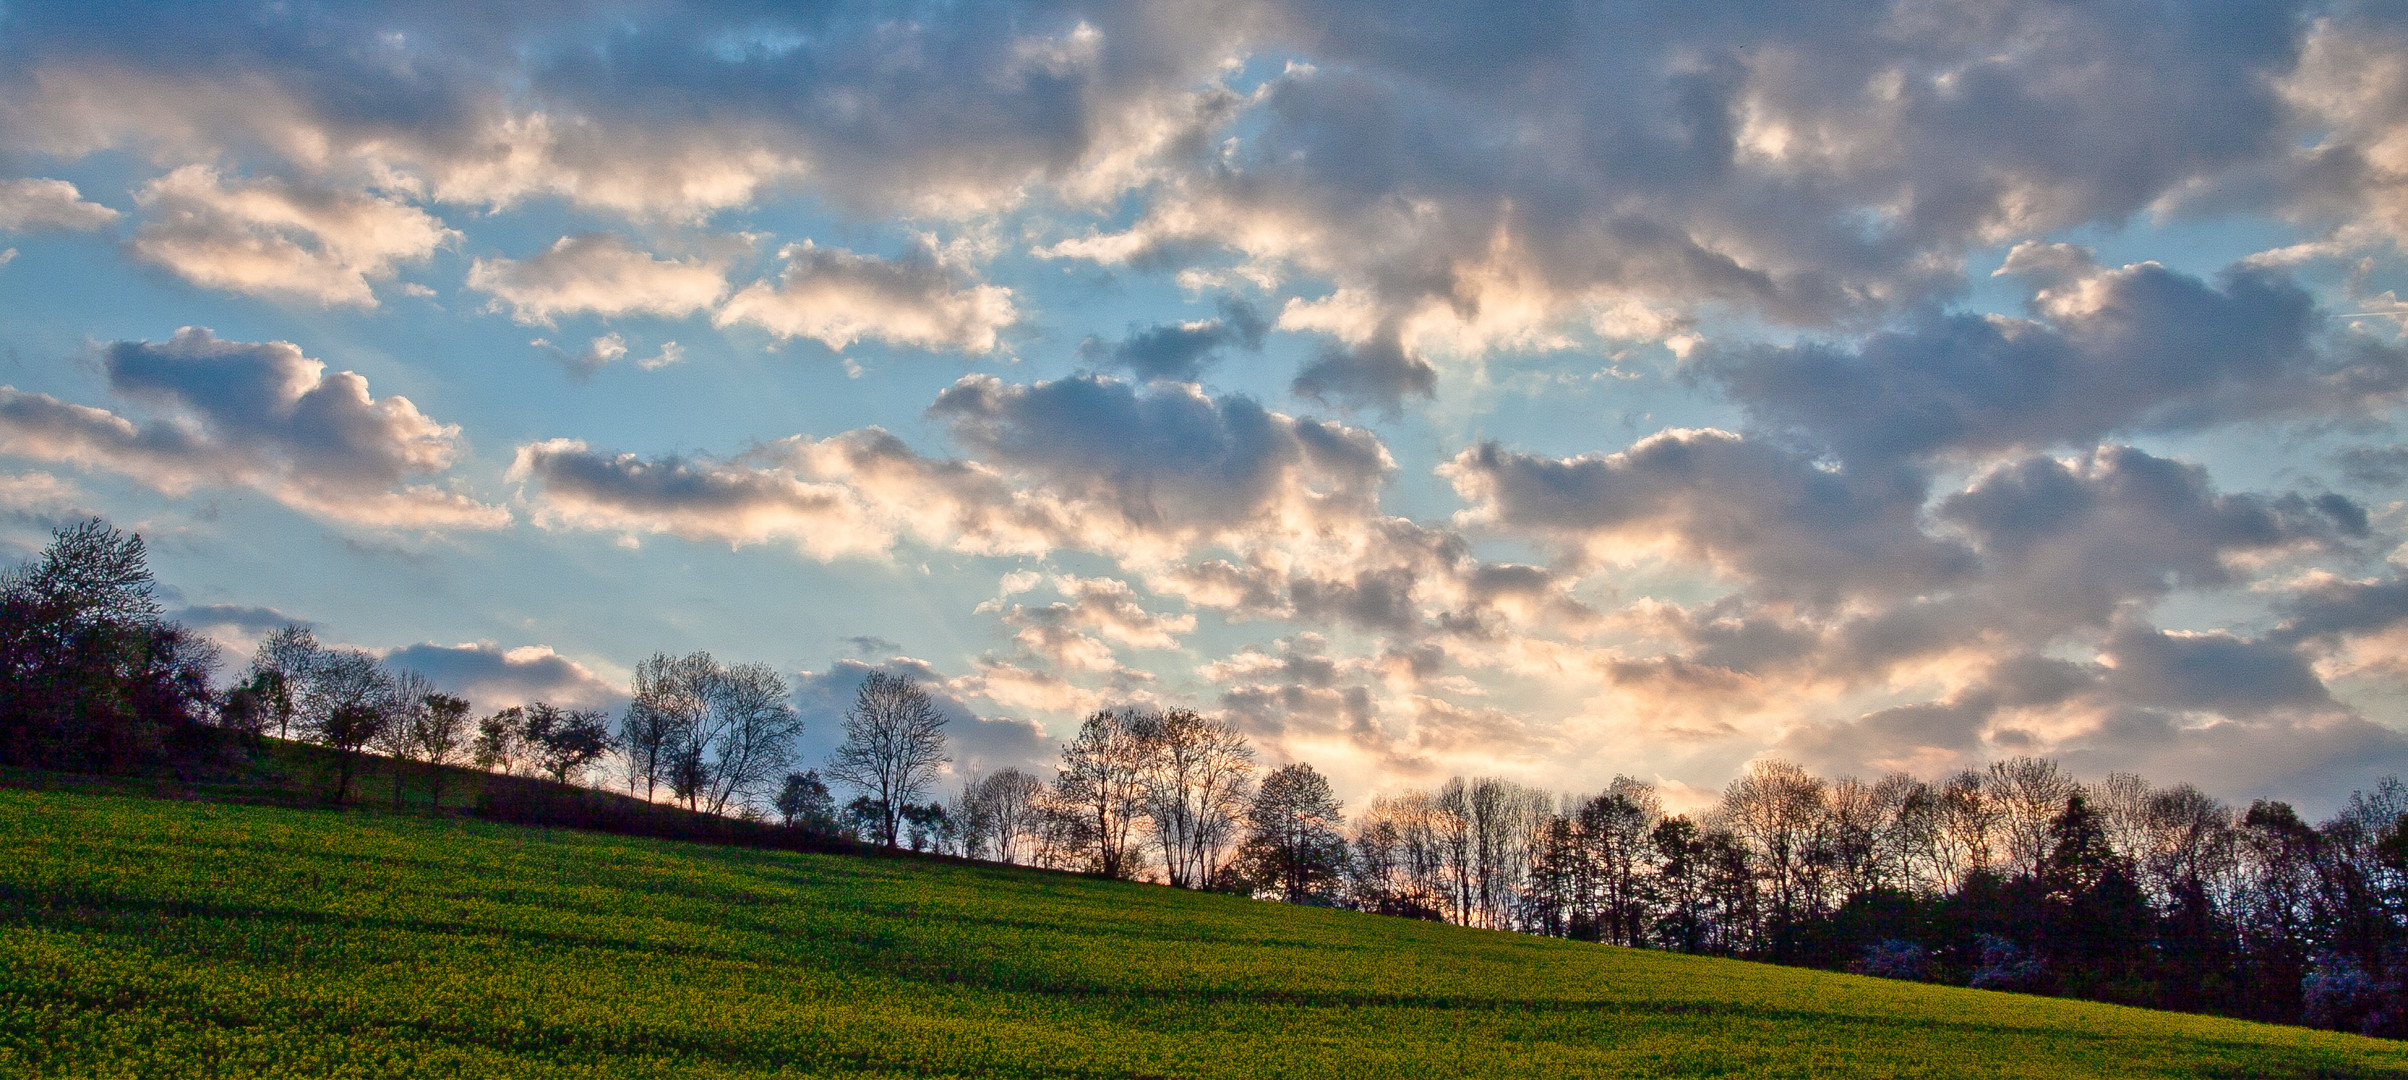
[[397, 740], [1102, 784], [347, 704], [280, 668], [894, 743], [1776, 810], [672, 696], [1196, 792], [439, 737], [744, 741], [1006, 806], [2028, 793]]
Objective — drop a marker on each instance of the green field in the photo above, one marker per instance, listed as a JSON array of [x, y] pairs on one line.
[[155, 938]]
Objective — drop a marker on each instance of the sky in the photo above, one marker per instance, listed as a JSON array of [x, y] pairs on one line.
[[1548, 390]]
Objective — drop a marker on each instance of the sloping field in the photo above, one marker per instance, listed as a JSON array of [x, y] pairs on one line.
[[150, 938]]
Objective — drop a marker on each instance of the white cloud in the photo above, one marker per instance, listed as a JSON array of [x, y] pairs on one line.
[[267, 237], [837, 297], [31, 204], [601, 274]]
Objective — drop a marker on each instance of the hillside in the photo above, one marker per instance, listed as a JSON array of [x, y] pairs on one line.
[[143, 937]]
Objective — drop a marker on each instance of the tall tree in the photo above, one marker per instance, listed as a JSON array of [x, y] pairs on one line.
[[1101, 787], [671, 698], [1295, 848], [894, 743], [745, 739], [348, 703], [1196, 792], [439, 734]]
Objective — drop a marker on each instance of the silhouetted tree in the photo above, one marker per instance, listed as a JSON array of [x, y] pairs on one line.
[[894, 743], [91, 675], [1101, 788], [803, 803], [439, 737], [1295, 848], [564, 742]]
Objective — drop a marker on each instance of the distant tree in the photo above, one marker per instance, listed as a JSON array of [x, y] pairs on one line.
[[1197, 789], [348, 703], [563, 742], [894, 743], [803, 803], [280, 669], [439, 736], [671, 700], [397, 739], [862, 818], [1101, 787], [1295, 849], [1003, 808], [928, 827], [501, 741]]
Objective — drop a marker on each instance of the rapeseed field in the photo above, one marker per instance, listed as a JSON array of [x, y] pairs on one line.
[[155, 938]]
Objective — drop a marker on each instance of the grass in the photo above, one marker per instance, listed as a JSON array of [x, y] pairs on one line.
[[142, 937]]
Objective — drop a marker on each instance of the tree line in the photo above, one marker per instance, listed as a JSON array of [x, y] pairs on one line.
[[2013, 876]]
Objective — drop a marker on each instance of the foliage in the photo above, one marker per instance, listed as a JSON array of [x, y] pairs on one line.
[[92, 677]]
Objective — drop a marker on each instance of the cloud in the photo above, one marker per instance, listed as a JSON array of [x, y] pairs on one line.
[[604, 351], [1179, 352], [693, 498], [1106, 606], [600, 274], [257, 415], [2089, 535], [1218, 501], [837, 297], [1749, 510], [268, 237], [493, 678], [2124, 351], [34, 204], [1379, 371]]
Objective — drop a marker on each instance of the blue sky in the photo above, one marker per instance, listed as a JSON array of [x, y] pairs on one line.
[[1554, 393]]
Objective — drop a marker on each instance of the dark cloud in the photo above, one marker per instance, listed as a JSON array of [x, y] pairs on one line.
[[2216, 671], [492, 677], [2141, 349], [1179, 352], [257, 414], [1754, 510], [1169, 457], [2374, 466], [1378, 372]]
